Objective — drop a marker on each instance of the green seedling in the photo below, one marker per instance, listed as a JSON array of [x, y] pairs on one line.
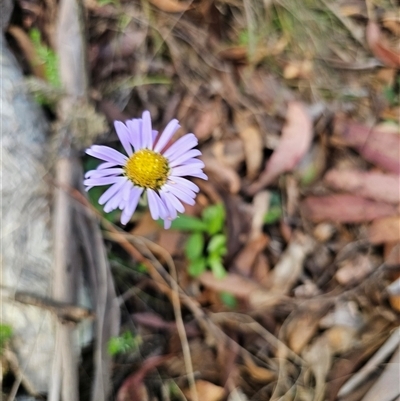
[[206, 246], [47, 57], [123, 344], [275, 209], [6, 333]]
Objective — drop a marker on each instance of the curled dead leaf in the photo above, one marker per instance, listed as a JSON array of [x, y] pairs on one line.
[[377, 145], [233, 283], [295, 141], [206, 391], [383, 230], [253, 148], [379, 46], [372, 185], [344, 209], [245, 259], [171, 6], [223, 174], [290, 266]]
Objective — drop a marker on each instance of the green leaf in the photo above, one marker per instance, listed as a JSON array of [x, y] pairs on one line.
[[196, 267], [214, 261], [214, 218], [6, 333], [194, 246], [273, 215], [228, 299], [275, 209], [217, 244], [188, 223], [123, 344]]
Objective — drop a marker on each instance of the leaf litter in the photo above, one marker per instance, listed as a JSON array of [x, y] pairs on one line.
[[307, 170]]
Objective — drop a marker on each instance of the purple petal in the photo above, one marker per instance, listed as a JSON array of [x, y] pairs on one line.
[[114, 202], [167, 134], [135, 135], [183, 182], [123, 135], [167, 224], [106, 153], [185, 171], [157, 207], [198, 175], [103, 173], [126, 190], [153, 204], [183, 158], [171, 199], [107, 195], [181, 146], [147, 132], [180, 194], [170, 207], [101, 181], [184, 189], [193, 163], [102, 166], [131, 205], [154, 134]]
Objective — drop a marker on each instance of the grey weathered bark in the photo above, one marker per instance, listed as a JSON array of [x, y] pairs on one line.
[[26, 241]]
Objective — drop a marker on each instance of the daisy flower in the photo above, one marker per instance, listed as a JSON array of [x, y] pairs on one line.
[[148, 166]]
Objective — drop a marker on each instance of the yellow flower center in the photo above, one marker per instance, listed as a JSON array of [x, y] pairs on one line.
[[147, 169]]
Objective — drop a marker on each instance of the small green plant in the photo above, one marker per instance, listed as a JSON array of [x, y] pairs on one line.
[[275, 209], [6, 332], [206, 246], [123, 344], [48, 58]]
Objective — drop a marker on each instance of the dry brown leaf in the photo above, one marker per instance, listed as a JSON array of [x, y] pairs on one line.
[[287, 271], [208, 120], [383, 230], [341, 338], [301, 330], [233, 283], [377, 145], [170, 240], [353, 270], [345, 209], [386, 388], [253, 148], [394, 301], [261, 271], [319, 358], [372, 185], [222, 174], [296, 139], [392, 254], [298, 70], [171, 6], [260, 208], [245, 259], [379, 46], [229, 152], [256, 372], [206, 391]]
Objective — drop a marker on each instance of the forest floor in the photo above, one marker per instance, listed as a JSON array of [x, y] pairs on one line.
[[282, 281]]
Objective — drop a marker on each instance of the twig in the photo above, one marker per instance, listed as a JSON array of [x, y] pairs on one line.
[[179, 322], [70, 46], [383, 352]]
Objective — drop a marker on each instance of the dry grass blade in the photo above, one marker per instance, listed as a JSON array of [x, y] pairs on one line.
[[382, 354]]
